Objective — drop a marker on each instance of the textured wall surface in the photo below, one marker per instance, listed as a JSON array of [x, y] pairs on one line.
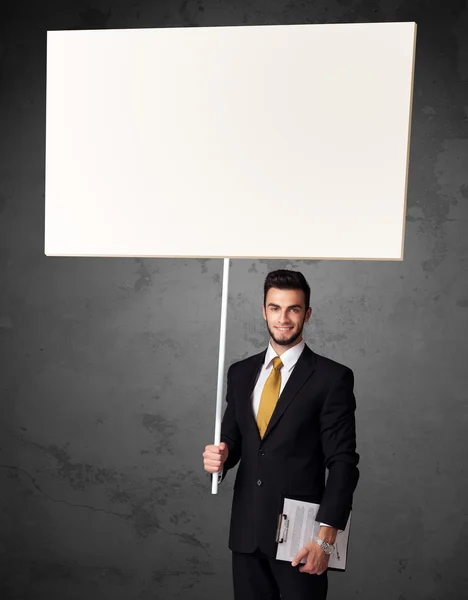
[[108, 366]]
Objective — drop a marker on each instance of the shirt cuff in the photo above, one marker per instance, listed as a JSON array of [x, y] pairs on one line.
[[326, 525]]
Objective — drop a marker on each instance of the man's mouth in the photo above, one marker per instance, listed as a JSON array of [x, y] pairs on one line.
[[284, 328]]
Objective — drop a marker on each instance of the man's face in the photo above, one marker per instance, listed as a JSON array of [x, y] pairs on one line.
[[285, 315]]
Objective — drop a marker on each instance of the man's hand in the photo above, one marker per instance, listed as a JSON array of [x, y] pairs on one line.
[[214, 457], [317, 560]]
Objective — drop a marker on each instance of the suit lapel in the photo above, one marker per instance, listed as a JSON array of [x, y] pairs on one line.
[[248, 387], [304, 368]]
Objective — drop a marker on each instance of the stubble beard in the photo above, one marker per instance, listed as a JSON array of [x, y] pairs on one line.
[[288, 340]]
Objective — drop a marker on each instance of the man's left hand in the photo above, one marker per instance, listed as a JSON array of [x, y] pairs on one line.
[[317, 560]]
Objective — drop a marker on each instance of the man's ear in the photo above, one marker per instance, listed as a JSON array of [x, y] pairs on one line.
[[263, 311], [308, 313]]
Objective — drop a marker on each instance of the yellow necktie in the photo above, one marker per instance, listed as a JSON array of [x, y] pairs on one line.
[[270, 395]]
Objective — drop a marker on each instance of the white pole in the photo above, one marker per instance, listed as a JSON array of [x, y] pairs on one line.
[[222, 348]]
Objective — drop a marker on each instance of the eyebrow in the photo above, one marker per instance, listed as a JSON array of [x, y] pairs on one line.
[[292, 305]]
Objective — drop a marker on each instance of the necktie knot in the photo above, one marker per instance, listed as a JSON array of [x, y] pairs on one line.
[[277, 363]]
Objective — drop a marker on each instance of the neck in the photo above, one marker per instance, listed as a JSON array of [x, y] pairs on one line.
[[280, 349]]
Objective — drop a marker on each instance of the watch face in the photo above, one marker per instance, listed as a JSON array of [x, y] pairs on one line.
[[326, 547]]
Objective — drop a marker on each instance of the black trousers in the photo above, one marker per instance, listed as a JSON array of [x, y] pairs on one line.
[[260, 577]]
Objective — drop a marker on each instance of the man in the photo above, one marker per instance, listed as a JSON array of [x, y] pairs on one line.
[[289, 417]]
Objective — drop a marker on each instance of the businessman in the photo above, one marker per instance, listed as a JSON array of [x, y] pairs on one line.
[[290, 417]]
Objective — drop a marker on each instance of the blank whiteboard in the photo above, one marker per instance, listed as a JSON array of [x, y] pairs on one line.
[[276, 141]]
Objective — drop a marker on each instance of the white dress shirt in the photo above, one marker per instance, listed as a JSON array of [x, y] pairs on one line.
[[289, 360]]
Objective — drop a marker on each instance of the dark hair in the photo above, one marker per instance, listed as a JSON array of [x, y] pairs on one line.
[[287, 280]]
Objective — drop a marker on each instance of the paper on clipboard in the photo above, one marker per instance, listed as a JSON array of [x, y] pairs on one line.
[[297, 527]]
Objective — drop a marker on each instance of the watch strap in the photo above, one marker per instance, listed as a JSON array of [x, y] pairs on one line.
[[326, 547]]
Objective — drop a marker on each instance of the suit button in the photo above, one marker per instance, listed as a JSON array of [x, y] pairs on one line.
[[262, 453], [259, 482]]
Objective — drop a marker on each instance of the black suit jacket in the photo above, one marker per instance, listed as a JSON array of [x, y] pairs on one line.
[[312, 429]]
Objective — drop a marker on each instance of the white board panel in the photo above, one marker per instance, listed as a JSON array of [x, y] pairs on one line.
[[245, 142]]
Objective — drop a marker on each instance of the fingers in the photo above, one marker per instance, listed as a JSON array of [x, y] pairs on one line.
[[216, 452], [216, 464], [212, 449], [212, 465], [309, 568], [214, 457], [313, 565], [212, 470], [297, 559]]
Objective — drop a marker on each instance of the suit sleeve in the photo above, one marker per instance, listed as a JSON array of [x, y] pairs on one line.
[[230, 432], [338, 438]]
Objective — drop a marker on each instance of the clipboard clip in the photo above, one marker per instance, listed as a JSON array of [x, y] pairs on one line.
[[283, 528]]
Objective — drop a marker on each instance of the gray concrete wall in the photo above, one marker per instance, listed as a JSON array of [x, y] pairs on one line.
[[108, 366]]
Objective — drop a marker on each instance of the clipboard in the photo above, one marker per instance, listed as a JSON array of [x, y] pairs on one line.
[[297, 526]]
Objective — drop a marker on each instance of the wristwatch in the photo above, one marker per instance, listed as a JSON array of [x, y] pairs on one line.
[[326, 547]]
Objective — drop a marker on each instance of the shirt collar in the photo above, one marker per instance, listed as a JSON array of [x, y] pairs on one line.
[[288, 358]]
